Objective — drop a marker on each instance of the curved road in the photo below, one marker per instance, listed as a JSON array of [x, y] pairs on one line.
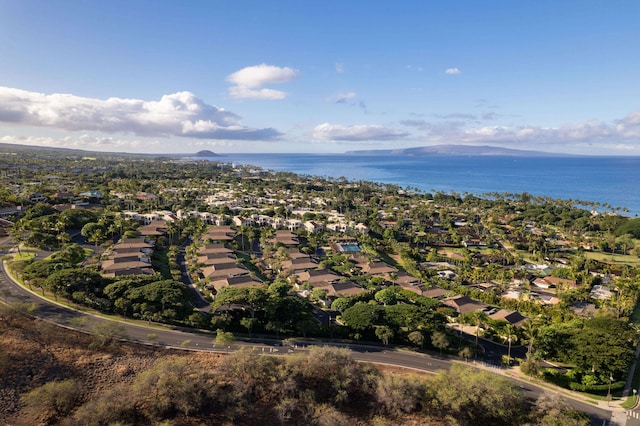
[[11, 291]]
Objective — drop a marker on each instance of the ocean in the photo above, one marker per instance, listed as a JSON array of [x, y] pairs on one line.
[[606, 180]]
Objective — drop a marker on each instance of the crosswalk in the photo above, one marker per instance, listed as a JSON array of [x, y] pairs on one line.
[[633, 415]]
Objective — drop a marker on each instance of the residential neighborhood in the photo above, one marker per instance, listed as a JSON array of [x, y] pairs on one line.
[[276, 253]]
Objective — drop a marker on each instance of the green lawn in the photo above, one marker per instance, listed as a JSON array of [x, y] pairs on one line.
[[24, 255], [621, 259]]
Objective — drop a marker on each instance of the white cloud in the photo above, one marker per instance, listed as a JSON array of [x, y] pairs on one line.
[[242, 92], [82, 142], [339, 68], [363, 132], [630, 125], [248, 82], [453, 71], [177, 114], [109, 144], [618, 135]]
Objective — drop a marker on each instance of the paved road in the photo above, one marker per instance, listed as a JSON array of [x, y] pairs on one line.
[[50, 311], [197, 300]]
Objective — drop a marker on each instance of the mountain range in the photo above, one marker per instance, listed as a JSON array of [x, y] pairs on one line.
[[421, 151], [457, 150]]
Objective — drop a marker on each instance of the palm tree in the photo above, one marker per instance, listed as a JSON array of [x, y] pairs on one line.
[[530, 331], [480, 319], [509, 333]]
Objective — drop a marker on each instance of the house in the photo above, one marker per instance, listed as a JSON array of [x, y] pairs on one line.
[[545, 298], [554, 282], [145, 196], [223, 270], [513, 293], [474, 243], [262, 220], [362, 228], [435, 292], [91, 194], [126, 256], [601, 292], [236, 281], [358, 259], [133, 245], [294, 253], [486, 286], [214, 248], [316, 277], [378, 269], [313, 226], [120, 264], [152, 230], [216, 258], [464, 304], [512, 317], [337, 227], [405, 280], [299, 264], [583, 309], [293, 224], [242, 221], [343, 289], [219, 233], [287, 238], [447, 274]]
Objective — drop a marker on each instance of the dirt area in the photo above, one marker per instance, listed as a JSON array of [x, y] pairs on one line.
[[33, 353]]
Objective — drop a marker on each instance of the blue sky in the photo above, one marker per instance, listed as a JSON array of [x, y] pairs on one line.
[[332, 76]]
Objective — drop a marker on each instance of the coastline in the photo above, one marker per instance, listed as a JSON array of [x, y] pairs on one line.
[[609, 181]]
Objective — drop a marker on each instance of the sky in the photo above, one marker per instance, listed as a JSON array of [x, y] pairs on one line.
[[320, 77]]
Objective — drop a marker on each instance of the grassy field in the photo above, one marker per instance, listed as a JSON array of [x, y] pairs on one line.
[[24, 255], [619, 259]]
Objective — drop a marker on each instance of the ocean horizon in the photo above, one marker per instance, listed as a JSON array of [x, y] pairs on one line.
[[611, 181]]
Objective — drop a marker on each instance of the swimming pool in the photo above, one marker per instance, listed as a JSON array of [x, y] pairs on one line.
[[348, 247]]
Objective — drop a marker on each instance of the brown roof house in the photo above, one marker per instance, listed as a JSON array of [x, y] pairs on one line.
[[237, 281], [378, 268], [512, 317], [343, 289], [224, 270], [214, 248], [299, 264], [219, 233], [435, 292], [554, 282], [287, 238], [216, 258], [464, 304], [154, 229], [317, 277]]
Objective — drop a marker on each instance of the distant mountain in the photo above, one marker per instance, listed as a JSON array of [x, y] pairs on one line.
[[457, 150], [205, 154]]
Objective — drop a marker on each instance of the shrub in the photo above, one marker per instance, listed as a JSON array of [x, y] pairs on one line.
[[589, 387], [53, 398], [115, 405]]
